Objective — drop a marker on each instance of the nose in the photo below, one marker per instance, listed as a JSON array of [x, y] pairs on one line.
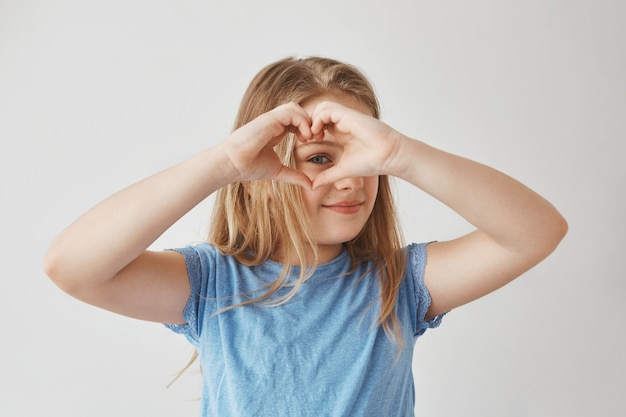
[[349, 184]]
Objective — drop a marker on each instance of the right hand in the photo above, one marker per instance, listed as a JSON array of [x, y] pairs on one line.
[[250, 152], [101, 258]]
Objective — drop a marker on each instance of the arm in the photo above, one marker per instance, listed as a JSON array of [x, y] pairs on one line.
[[516, 228], [101, 258]]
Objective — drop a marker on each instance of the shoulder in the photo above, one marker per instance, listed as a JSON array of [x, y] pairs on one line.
[[199, 249], [202, 261], [207, 264], [414, 290], [413, 281], [201, 254], [416, 259]]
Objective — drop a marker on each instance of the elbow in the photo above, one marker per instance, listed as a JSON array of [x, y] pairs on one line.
[[553, 233], [49, 264], [56, 269], [560, 229], [51, 267], [72, 273]]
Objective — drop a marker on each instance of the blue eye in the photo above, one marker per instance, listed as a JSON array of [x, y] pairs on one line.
[[319, 159]]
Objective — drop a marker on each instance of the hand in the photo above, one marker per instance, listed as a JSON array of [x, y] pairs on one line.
[[370, 147], [250, 151]]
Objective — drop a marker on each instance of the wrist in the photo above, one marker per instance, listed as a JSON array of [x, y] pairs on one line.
[[228, 169], [213, 167], [403, 158]]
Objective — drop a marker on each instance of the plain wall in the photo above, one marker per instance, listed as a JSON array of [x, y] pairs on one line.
[[97, 95]]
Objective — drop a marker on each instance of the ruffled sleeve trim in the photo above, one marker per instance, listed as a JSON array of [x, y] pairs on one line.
[[190, 312], [417, 261]]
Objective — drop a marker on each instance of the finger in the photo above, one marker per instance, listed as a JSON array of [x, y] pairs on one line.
[[324, 116], [321, 122], [319, 136], [329, 176], [303, 128], [293, 176], [296, 120], [305, 136]]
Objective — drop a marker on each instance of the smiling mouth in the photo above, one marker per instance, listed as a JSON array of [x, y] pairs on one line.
[[345, 207]]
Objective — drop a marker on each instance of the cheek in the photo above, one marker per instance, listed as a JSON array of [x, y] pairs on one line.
[[371, 189], [312, 170], [371, 186], [313, 199]]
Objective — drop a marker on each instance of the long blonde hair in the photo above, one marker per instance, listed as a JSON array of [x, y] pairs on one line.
[[263, 220], [253, 229]]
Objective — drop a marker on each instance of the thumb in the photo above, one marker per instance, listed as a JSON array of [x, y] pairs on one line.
[[328, 176], [293, 176]]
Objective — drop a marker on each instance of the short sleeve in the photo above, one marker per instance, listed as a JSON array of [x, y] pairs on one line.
[[417, 266], [190, 313]]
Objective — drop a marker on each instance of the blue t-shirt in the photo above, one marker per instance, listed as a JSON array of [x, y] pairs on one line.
[[319, 354]]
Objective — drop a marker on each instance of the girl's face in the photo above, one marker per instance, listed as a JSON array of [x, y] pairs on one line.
[[337, 212]]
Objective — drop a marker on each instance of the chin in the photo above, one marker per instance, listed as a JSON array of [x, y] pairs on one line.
[[340, 240]]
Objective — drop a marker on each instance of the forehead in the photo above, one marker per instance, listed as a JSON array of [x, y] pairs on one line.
[[343, 99], [327, 145]]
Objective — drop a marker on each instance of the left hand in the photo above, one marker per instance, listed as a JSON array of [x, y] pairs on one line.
[[370, 147]]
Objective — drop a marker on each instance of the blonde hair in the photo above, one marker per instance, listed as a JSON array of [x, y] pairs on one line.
[[263, 220]]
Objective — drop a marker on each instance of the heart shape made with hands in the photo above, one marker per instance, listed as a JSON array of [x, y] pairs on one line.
[[349, 140], [356, 143]]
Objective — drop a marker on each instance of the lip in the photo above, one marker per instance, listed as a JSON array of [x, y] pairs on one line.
[[345, 207]]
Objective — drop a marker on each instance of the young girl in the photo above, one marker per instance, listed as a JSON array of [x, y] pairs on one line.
[[304, 301]]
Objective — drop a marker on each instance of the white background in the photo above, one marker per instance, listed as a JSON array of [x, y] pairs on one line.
[[97, 95]]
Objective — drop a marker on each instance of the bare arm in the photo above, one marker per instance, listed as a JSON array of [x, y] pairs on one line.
[[101, 258], [516, 228]]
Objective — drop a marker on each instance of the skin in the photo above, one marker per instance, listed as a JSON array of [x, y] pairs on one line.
[[515, 227], [337, 211]]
